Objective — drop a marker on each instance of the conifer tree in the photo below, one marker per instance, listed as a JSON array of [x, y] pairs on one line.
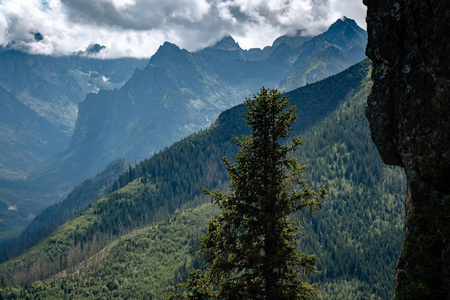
[[250, 251]]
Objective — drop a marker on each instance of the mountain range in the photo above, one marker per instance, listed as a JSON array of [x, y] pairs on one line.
[[176, 94], [50, 88], [180, 92]]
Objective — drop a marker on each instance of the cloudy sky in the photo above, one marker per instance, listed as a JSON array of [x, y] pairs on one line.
[[137, 27]]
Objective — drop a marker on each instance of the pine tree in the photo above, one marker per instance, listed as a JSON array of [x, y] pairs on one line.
[[250, 251]]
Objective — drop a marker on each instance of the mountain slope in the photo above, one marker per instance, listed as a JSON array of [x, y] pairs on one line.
[[358, 232], [356, 235], [180, 92], [340, 47], [51, 88], [116, 271], [54, 215], [172, 97], [38, 108], [25, 137]]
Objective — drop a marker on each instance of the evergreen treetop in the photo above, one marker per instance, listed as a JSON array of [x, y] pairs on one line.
[[250, 248]]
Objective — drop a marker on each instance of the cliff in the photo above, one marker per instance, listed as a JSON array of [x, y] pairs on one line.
[[409, 114]]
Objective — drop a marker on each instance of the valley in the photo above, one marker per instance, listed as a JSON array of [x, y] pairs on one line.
[[176, 94], [126, 189], [356, 235]]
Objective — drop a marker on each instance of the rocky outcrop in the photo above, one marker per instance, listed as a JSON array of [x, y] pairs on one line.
[[409, 114]]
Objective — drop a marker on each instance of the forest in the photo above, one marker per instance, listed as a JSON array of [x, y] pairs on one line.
[[152, 217]]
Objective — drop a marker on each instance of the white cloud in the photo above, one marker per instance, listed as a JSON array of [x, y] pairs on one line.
[[353, 9], [138, 27]]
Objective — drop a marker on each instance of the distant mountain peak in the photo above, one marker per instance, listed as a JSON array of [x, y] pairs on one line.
[[293, 40], [169, 45], [344, 33], [227, 43], [94, 48], [342, 23], [167, 49]]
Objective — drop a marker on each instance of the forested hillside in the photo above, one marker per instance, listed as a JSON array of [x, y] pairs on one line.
[[356, 235]]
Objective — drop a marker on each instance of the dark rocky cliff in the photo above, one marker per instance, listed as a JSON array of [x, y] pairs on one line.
[[409, 114]]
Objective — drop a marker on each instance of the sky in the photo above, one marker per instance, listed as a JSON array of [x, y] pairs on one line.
[[136, 28]]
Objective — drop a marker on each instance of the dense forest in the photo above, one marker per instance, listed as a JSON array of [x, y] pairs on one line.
[[356, 235]]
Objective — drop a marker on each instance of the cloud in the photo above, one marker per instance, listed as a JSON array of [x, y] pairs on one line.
[[136, 15], [138, 27]]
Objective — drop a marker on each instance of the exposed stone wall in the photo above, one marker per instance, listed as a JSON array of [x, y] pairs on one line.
[[409, 114]]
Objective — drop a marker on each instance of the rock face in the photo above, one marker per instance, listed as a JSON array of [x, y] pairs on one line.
[[409, 114]]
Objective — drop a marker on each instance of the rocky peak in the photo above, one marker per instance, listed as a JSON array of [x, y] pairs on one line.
[[167, 52], [409, 114], [294, 41], [94, 48], [168, 48], [342, 24], [345, 32], [226, 43]]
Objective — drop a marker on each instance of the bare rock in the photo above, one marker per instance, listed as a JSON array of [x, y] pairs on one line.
[[409, 114]]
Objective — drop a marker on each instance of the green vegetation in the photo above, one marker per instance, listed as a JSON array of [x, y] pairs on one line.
[[358, 232], [150, 192], [144, 264], [250, 247], [53, 216], [356, 235]]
